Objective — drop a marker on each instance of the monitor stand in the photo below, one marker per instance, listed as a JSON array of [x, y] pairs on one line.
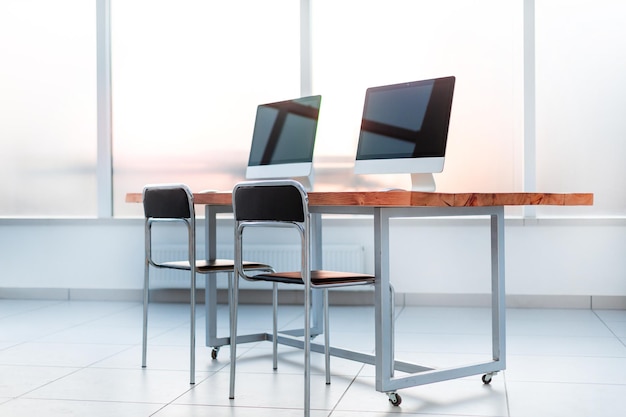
[[422, 182], [306, 181]]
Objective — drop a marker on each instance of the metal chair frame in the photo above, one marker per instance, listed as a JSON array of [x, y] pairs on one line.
[[171, 203], [290, 214]]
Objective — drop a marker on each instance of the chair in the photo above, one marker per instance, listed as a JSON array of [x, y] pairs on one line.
[[284, 203], [175, 203]]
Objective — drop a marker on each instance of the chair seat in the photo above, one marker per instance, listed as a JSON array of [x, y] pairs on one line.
[[319, 278], [215, 265]]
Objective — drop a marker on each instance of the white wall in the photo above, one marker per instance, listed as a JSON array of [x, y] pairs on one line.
[[560, 257]]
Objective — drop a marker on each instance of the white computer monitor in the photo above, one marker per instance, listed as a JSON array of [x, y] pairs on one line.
[[284, 139], [404, 129]]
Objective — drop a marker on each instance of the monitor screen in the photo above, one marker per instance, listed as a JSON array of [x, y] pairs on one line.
[[284, 139], [404, 128]]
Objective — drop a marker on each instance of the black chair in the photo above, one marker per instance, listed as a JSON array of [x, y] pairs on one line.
[[175, 203], [284, 203]]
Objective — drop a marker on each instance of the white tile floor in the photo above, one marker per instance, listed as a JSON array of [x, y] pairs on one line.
[[84, 358]]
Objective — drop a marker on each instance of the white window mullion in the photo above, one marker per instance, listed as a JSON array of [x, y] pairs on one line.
[[104, 167], [306, 79], [530, 154]]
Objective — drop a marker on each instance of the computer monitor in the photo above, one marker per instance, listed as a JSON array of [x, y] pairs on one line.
[[283, 140], [405, 130]]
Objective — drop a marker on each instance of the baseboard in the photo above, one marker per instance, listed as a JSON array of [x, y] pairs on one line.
[[484, 300], [609, 302], [35, 293], [262, 296], [176, 295], [71, 294], [106, 295]]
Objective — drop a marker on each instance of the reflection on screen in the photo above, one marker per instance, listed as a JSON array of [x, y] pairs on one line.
[[406, 120], [284, 132]]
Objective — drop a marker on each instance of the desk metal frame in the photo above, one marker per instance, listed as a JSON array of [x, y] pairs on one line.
[[383, 360], [385, 380]]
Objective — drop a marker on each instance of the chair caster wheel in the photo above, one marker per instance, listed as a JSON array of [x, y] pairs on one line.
[[394, 398], [214, 352], [487, 378]]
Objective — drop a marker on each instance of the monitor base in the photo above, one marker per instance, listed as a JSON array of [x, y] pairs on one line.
[[422, 182], [306, 181]]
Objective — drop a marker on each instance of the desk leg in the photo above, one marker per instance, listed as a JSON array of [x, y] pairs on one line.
[[210, 303], [497, 287], [317, 299], [382, 300], [210, 291], [384, 358]]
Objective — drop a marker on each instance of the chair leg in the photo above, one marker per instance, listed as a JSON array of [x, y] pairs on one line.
[[326, 337], [146, 291], [229, 298], [275, 326], [210, 302], [307, 352], [392, 296], [233, 302], [192, 331]]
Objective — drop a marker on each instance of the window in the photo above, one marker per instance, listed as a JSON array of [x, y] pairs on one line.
[[187, 78], [363, 43], [581, 97], [47, 108]]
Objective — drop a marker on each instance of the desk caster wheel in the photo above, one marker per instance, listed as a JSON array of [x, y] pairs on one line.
[[214, 352], [394, 398], [487, 379]]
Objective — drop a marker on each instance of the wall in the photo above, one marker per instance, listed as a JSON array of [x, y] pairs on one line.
[[553, 260]]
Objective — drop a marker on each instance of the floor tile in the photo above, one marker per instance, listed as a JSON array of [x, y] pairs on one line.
[[566, 369], [438, 320], [618, 328], [177, 410], [62, 408], [456, 397], [173, 358], [119, 385], [267, 390], [16, 381], [565, 346], [566, 400], [258, 359], [611, 315], [66, 358], [58, 354]]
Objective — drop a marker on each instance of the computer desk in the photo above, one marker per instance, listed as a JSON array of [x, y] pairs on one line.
[[384, 206]]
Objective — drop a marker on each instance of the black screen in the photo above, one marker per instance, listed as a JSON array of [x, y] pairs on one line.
[[408, 120], [284, 132]]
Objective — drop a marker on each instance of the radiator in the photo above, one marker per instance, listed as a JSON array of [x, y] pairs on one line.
[[281, 257]]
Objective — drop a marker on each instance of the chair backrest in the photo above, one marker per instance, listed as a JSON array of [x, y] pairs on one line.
[[272, 203], [273, 200], [168, 201]]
